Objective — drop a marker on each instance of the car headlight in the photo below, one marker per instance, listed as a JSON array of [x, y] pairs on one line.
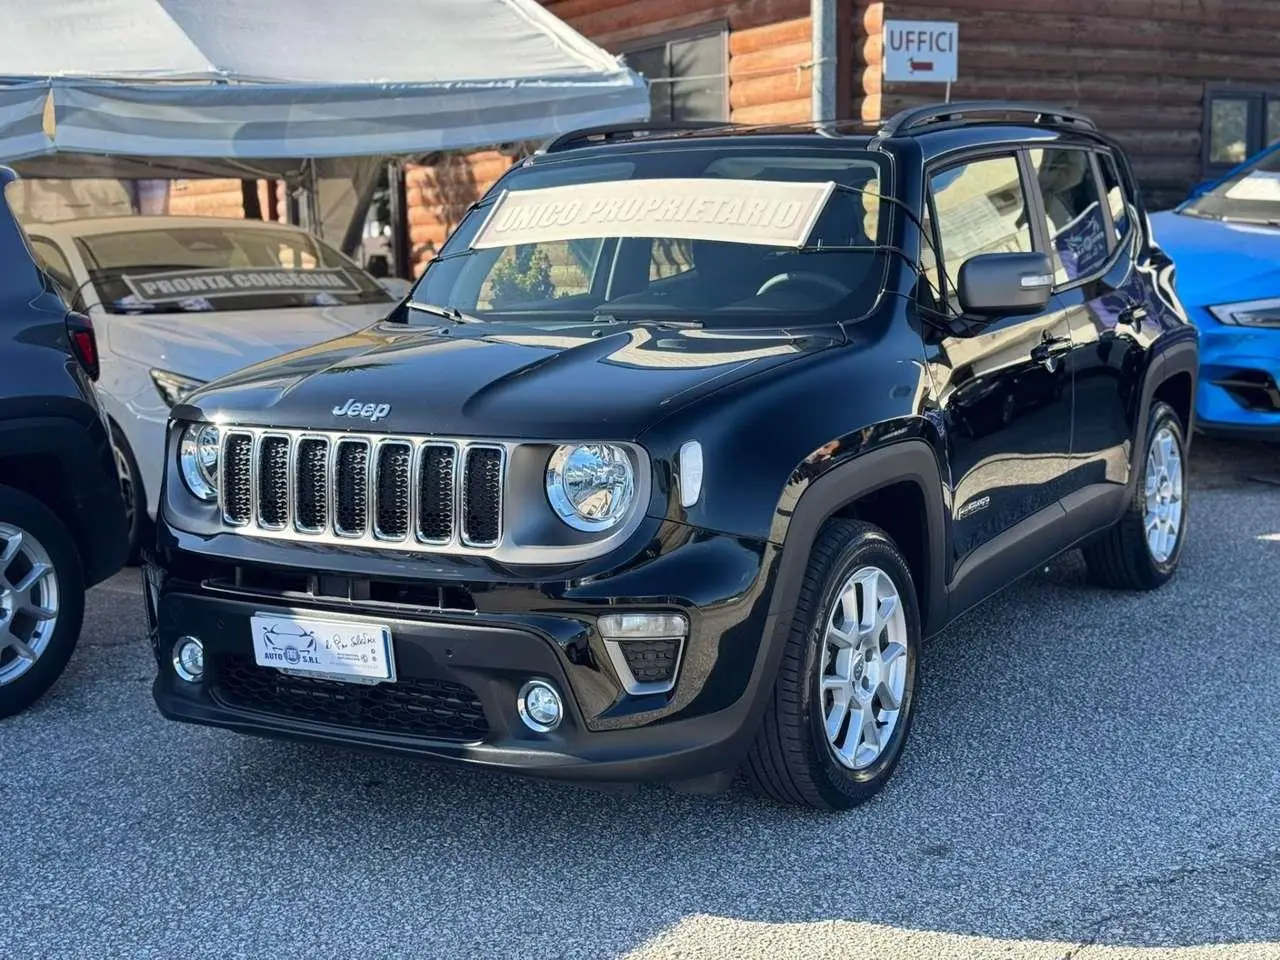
[[591, 486], [1250, 313], [173, 387], [198, 460]]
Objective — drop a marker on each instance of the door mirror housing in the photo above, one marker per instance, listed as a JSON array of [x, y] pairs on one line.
[[995, 285]]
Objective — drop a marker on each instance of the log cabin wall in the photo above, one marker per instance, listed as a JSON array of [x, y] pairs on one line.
[[764, 49], [1148, 71]]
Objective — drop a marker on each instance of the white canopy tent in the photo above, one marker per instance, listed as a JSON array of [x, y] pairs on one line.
[[292, 89]]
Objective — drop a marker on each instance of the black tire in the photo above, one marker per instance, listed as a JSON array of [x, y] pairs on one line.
[[34, 518], [791, 760], [134, 495], [1121, 558]]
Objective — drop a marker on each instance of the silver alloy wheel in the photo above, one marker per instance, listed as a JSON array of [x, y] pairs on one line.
[[1163, 521], [863, 676], [28, 601]]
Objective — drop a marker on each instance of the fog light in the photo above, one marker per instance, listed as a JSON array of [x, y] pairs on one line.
[[540, 706], [188, 659]]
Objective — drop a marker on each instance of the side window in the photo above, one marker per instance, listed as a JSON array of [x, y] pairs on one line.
[[1117, 199], [1078, 242], [537, 272], [980, 208]]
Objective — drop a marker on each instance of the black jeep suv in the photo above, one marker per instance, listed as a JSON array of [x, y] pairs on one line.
[[680, 446], [62, 519]]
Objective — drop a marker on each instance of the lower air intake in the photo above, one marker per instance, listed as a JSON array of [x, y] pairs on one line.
[[651, 661]]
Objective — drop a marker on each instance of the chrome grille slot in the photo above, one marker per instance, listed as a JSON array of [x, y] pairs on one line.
[[392, 470], [436, 486], [237, 479], [419, 494], [312, 485], [273, 482], [351, 488], [482, 496]]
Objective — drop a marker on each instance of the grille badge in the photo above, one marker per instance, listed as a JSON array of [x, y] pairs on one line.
[[373, 412]]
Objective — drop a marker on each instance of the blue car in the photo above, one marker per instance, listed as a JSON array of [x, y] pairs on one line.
[[1225, 242]]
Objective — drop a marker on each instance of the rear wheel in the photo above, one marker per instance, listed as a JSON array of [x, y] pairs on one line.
[[1141, 552], [841, 706], [41, 599]]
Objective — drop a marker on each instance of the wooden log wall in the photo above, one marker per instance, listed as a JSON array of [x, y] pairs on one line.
[[1139, 67], [769, 82]]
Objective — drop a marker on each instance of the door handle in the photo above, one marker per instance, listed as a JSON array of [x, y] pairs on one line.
[[1047, 349], [1132, 316]]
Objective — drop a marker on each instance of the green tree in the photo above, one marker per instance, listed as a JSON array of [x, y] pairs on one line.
[[523, 277]]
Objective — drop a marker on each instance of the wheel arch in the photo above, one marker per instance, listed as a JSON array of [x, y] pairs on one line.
[[898, 487], [57, 461], [1171, 377]]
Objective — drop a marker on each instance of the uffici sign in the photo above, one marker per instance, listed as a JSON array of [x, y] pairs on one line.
[[921, 51]]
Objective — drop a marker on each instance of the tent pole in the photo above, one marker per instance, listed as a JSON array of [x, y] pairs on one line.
[[312, 181]]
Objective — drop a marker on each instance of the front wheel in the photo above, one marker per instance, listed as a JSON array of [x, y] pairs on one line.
[[1141, 552], [841, 706], [41, 599]]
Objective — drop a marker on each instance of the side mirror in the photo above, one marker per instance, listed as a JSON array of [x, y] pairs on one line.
[[1004, 284]]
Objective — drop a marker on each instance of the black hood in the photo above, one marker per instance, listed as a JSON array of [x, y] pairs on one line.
[[498, 380]]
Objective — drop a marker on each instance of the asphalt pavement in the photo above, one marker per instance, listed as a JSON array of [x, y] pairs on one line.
[[1090, 775]]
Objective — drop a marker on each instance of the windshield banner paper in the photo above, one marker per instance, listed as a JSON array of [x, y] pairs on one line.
[[169, 285], [766, 212]]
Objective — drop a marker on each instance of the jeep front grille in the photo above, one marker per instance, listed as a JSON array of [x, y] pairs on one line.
[[351, 488]]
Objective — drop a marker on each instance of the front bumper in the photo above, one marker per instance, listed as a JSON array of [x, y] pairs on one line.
[[1238, 393], [459, 670]]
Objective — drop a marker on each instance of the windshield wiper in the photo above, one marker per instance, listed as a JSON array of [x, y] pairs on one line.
[[1253, 221], [651, 313], [449, 313]]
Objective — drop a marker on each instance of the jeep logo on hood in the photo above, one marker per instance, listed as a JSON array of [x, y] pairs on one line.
[[368, 411]]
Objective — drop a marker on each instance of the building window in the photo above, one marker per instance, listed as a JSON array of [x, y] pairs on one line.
[[687, 74], [1238, 123]]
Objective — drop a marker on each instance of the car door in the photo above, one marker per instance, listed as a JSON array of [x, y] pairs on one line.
[[1002, 387], [1090, 232]]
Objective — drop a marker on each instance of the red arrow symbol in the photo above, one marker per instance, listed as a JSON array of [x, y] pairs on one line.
[[919, 65]]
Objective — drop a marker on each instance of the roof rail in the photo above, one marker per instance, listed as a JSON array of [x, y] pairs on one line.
[[624, 131], [952, 112]]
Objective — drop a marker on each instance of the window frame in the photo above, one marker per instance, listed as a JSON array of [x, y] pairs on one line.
[[1035, 203], [1258, 99], [717, 29]]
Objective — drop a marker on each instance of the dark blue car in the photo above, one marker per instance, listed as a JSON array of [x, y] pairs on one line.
[[1225, 241]]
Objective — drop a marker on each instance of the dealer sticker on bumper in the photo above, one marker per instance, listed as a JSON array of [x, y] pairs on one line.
[[335, 649]]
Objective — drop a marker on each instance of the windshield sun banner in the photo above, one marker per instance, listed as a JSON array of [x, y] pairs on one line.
[[168, 285], [766, 212]]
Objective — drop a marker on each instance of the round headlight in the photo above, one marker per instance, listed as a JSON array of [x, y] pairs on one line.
[[591, 486], [198, 460]]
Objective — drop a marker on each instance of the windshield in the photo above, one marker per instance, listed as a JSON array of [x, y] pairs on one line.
[[1251, 194], [731, 235], [216, 268]]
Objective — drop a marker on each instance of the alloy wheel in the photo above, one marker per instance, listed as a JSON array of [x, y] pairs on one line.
[[28, 601], [863, 676], [1164, 485]]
